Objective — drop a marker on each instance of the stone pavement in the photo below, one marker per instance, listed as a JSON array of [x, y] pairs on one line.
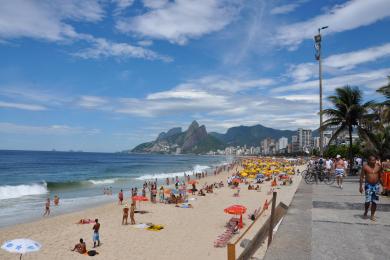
[[325, 222]]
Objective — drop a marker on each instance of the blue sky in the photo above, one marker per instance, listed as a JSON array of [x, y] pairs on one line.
[[107, 75]]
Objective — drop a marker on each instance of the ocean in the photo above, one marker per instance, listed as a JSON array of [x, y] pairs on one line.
[[27, 178]]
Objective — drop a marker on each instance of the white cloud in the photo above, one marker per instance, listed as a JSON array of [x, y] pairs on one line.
[[284, 9], [11, 128], [102, 48], [30, 107], [122, 5], [180, 20], [339, 62], [348, 16], [45, 19], [154, 4], [91, 102], [369, 79], [145, 43], [349, 60], [301, 97]]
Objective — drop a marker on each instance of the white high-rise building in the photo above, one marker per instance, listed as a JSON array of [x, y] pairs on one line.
[[283, 142], [305, 139]]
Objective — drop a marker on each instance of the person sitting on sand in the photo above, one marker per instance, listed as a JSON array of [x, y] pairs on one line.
[[257, 187], [56, 200], [132, 211], [80, 247], [201, 193], [125, 214]]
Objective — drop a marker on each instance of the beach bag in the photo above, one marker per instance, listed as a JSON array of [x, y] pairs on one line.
[[92, 252]]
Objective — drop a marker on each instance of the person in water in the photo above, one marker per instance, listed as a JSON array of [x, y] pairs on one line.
[[80, 247], [96, 237], [371, 174], [47, 207], [56, 200]]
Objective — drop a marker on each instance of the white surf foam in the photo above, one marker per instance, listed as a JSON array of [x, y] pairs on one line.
[[102, 182], [196, 169], [11, 192]]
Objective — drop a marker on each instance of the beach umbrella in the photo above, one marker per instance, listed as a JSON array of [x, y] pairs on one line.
[[236, 210], [140, 198], [192, 182], [21, 246]]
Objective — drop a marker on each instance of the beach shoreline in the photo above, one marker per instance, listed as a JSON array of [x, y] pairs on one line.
[[202, 224]]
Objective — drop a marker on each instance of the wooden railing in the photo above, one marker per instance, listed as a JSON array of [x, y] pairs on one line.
[[276, 214]]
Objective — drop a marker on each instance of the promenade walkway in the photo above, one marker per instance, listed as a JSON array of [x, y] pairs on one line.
[[325, 222]]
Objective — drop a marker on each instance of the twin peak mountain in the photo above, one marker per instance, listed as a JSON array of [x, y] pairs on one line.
[[196, 140]]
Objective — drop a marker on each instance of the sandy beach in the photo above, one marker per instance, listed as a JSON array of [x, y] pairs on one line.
[[188, 233]]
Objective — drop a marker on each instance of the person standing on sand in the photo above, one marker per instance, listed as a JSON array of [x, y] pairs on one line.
[[371, 173], [47, 207], [120, 197], [339, 166], [132, 211], [96, 237], [125, 214]]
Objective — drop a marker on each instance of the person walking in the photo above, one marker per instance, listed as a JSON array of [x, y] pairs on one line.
[[120, 197], [371, 174], [339, 166], [47, 207]]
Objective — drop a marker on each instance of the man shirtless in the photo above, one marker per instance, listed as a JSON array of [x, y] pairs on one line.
[[339, 167], [371, 173], [96, 237], [80, 247]]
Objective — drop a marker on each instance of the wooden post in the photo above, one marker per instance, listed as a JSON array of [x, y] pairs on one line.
[[271, 223], [231, 251]]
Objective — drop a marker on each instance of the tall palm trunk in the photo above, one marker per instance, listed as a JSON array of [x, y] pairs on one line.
[[350, 150]]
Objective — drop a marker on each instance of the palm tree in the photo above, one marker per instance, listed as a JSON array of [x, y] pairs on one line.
[[378, 142], [349, 112], [384, 107]]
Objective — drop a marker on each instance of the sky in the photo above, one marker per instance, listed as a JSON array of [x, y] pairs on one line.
[[107, 75]]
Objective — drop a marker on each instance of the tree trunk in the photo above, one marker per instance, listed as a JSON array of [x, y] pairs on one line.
[[350, 150]]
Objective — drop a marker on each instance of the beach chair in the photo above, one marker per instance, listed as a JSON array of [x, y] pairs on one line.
[[223, 239]]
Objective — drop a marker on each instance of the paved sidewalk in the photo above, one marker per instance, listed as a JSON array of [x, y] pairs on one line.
[[325, 222]]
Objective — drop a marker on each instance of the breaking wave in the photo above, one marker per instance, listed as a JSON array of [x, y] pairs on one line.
[[17, 191]]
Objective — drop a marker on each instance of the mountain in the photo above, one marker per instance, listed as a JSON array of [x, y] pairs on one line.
[[251, 135], [194, 140]]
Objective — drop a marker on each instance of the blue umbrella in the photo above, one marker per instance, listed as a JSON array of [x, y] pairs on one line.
[[21, 246]]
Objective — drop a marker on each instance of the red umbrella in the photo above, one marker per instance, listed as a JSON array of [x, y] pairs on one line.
[[236, 210], [140, 198], [192, 182], [237, 180]]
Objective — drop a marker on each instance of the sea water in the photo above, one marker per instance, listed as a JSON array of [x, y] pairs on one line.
[[27, 178]]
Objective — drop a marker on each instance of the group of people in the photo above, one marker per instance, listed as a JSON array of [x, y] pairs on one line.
[[56, 201], [373, 173], [81, 247]]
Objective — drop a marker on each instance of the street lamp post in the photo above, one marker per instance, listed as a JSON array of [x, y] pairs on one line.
[[317, 40]]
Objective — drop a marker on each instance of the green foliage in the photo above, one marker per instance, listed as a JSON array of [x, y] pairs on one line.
[[343, 150]]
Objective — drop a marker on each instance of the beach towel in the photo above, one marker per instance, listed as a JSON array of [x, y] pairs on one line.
[[155, 228], [141, 225]]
